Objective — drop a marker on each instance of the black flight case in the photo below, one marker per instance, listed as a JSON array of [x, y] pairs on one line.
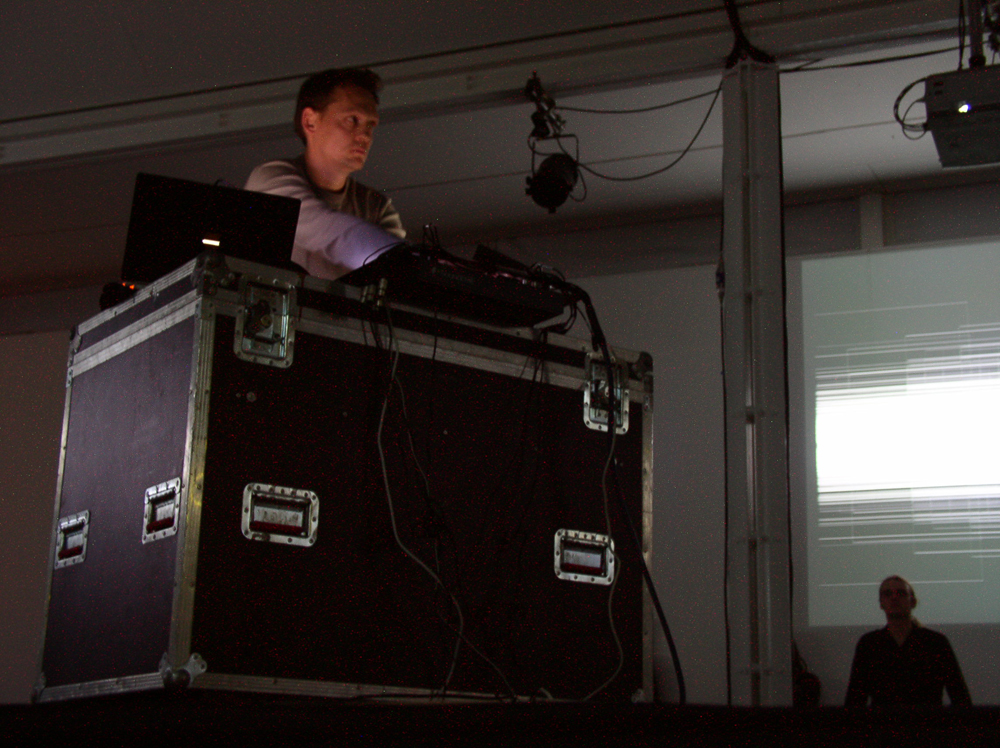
[[274, 483]]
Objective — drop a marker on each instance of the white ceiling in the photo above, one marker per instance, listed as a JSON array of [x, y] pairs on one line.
[[92, 96]]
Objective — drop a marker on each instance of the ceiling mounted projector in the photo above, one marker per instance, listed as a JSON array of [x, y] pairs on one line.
[[963, 115]]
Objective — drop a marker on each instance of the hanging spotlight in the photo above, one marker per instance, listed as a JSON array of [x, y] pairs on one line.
[[555, 179]]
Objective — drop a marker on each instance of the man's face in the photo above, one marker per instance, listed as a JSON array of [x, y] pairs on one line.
[[340, 135], [895, 599]]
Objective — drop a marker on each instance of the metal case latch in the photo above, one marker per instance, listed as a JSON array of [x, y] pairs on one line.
[[71, 539], [275, 514], [584, 557], [596, 399], [265, 322], [162, 507]]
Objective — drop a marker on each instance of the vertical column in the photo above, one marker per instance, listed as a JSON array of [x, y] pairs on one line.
[[756, 392]]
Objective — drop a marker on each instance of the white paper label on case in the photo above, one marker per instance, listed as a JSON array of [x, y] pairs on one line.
[[591, 560], [275, 516]]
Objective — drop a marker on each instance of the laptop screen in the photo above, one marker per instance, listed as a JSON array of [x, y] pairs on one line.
[[175, 220]]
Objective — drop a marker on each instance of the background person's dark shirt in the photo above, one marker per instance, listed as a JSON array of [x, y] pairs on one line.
[[917, 672]]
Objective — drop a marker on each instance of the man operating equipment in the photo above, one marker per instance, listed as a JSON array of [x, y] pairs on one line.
[[342, 223]]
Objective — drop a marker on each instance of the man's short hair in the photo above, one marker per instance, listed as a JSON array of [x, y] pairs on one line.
[[319, 89]]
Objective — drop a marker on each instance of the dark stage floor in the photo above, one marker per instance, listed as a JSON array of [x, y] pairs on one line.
[[190, 717]]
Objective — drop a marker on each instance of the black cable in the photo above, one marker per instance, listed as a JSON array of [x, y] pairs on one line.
[[742, 47], [512, 539], [600, 343], [392, 511], [908, 127], [673, 163], [961, 32], [443, 528], [461, 638], [923, 128], [806, 66], [720, 284], [640, 110], [803, 68], [618, 562], [678, 672]]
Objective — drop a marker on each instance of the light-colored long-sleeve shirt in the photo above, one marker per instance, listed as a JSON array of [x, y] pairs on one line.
[[338, 231]]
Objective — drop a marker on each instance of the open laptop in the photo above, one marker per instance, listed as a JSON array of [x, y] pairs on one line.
[[175, 220]]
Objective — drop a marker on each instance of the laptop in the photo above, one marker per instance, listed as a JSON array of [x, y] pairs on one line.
[[175, 220]]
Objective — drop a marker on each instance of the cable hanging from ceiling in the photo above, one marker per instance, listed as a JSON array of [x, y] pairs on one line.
[[555, 179], [553, 182]]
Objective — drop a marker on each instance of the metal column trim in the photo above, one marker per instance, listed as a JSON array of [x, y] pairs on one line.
[[193, 485], [756, 391]]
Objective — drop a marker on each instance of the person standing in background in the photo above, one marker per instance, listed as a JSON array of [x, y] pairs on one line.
[[904, 663]]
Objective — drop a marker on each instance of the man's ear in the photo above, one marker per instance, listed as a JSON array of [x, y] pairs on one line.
[[309, 117]]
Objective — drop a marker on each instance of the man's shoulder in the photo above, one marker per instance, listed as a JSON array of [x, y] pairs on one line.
[[363, 190], [266, 176], [873, 638], [876, 634], [929, 635], [280, 166]]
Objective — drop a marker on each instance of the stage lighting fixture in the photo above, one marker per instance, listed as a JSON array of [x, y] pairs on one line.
[[554, 180]]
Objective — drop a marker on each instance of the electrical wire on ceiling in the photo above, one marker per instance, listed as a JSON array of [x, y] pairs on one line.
[[552, 194], [572, 169], [551, 184], [807, 67], [961, 32], [639, 110], [715, 97], [909, 128]]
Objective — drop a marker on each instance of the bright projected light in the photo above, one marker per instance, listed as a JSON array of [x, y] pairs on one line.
[[902, 383], [937, 437]]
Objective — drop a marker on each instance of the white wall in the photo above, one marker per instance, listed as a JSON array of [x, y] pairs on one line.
[[674, 316], [32, 391]]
